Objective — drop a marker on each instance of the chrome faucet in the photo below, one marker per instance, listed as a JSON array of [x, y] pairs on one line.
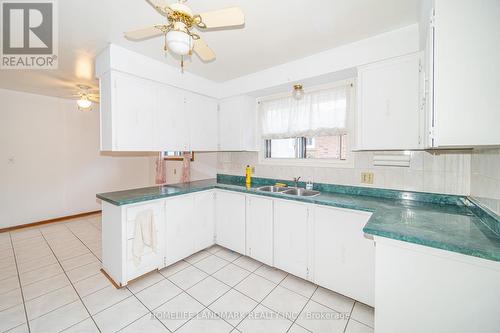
[[296, 181]]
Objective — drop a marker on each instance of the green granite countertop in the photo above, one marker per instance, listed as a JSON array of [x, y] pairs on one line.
[[445, 222]]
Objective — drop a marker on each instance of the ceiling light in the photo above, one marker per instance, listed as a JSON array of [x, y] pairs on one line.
[[298, 92], [84, 103], [179, 42]]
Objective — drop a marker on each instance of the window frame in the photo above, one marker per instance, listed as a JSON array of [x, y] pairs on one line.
[[177, 157], [317, 162]]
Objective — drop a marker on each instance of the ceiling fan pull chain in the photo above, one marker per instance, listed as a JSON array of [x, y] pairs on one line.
[[165, 49]]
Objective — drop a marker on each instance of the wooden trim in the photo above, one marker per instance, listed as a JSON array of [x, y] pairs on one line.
[[57, 219], [116, 285]]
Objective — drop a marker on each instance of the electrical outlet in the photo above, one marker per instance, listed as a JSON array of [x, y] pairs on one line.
[[367, 177]]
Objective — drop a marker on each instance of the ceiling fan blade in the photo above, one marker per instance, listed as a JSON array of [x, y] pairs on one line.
[[161, 6], [228, 17], [203, 51], [145, 33]]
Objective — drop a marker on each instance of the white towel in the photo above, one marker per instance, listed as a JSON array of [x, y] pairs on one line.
[[144, 235]]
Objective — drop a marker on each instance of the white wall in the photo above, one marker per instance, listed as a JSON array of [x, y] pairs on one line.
[[50, 162], [308, 69], [485, 178], [446, 172]]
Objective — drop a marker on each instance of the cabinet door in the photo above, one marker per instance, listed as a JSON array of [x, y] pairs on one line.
[[291, 237], [237, 124], [466, 77], [179, 228], [344, 260], [230, 220], [260, 229], [172, 120], [151, 258], [203, 122], [388, 104], [133, 108], [204, 220]]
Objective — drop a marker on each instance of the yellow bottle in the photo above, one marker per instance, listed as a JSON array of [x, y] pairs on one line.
[[248, 178]]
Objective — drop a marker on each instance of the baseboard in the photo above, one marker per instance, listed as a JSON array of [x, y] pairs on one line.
[[58, 219]]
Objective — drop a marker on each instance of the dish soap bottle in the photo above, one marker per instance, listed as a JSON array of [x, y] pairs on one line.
[[248, 178]]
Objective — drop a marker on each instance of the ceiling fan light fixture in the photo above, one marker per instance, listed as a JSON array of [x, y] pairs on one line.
[[84, 103], [179, 42], [298, 92]]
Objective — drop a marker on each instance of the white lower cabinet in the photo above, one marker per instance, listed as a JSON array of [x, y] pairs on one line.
[[291, 233], [179, 242], [152, 257], [204, 220], [344, 260], [230, 223], [259, 225], [317, 243]]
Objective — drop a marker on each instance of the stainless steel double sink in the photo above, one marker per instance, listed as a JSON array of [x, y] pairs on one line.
[[295, 191]]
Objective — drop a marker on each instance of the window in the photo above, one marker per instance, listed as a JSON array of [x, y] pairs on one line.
[[321, 147], [313, 128], [175, 156]]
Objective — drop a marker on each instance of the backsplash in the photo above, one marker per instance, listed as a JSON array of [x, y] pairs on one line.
[[485, 178], [440, 172]]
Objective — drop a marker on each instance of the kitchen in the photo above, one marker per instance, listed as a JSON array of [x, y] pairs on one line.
[[349, 187]]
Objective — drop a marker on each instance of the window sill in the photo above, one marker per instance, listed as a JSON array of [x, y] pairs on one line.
[[325, 163]]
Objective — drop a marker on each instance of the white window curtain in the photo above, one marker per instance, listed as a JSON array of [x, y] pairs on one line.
[[318, 113]]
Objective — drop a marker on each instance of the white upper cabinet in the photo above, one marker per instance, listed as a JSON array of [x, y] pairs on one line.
[[463, 70], [388, 110], [143, 115], [237, 124], [171, 126], [127, 114], [202, 122]]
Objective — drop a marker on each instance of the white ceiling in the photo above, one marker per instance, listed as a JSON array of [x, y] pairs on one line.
[[275, 32]]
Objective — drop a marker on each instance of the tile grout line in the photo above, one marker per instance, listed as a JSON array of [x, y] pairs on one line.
[[20, 286], [150, 312], [72, 285], [308, 300], [71, 231], [350, 313]]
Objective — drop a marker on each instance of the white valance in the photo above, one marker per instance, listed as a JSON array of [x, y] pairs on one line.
[[318, 113]]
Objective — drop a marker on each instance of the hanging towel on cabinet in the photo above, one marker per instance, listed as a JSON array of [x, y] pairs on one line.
[[144, 235]]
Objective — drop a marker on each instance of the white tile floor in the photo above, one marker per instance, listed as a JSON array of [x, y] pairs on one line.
[[50, 282]]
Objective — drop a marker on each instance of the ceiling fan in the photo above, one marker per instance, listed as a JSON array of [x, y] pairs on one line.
[[179, 38], [86, 96]]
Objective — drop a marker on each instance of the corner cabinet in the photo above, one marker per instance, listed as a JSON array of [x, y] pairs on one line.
[[237, 124], [343, 258], [389, 109]]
